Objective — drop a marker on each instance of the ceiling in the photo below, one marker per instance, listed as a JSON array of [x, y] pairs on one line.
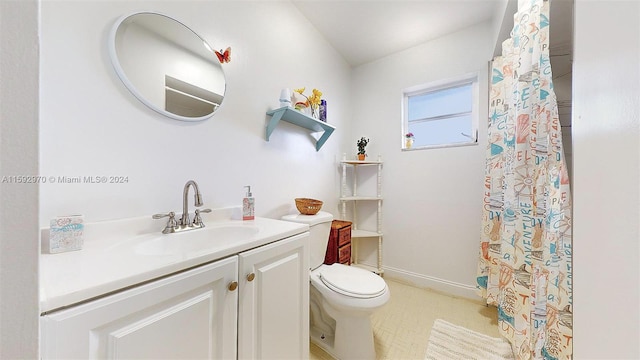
[[366, 30]]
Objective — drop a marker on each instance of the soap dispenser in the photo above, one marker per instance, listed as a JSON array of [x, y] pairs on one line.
[[248, 209]]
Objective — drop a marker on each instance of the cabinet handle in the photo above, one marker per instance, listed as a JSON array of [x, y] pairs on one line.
[[233, 285], [251, 276]]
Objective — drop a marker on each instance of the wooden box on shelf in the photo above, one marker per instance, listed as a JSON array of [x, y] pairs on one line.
[[339, 246]]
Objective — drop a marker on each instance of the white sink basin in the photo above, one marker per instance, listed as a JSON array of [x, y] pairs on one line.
[[121, 253], [193, 241]]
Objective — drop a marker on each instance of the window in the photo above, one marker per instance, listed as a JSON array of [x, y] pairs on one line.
[[442, 114]]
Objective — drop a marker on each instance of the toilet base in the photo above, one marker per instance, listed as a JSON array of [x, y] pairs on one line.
[[324, 341], [342, 335], [347, 347]]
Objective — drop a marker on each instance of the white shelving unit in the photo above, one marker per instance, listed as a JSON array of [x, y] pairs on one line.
[[358, 234]]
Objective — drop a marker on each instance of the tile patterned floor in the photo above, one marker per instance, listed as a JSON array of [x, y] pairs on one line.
[[402, 327]]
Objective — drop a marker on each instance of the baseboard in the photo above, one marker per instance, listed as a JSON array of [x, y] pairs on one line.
[[430, 282]]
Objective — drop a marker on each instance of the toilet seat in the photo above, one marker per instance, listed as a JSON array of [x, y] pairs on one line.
[[352, 281]]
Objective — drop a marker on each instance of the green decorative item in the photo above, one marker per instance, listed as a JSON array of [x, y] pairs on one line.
[[362, 144]]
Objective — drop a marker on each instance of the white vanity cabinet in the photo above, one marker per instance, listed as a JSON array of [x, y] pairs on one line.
[[213, 311], [188, 315], [273, 310]]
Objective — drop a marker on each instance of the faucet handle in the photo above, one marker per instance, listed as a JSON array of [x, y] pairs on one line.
[[160, 216], [171, 223], [197, 220]]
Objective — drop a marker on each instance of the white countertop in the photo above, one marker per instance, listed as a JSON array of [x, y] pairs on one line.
[[108, 263]]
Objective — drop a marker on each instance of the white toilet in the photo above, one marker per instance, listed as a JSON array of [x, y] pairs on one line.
[[342, 297]]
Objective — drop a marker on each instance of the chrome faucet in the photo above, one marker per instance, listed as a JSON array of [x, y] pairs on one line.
[[184, 221]]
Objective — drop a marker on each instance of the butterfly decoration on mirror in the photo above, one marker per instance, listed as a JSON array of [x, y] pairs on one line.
[[224, 56]]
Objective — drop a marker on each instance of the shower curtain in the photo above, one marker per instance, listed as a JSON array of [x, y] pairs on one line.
[[525, 254]]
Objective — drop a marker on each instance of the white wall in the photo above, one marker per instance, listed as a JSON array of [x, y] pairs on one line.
[[432, 207], [502, 23], [606, 152], [91, 125], [19, 245]]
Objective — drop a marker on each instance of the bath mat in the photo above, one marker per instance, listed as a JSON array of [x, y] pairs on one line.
[[451, 342]]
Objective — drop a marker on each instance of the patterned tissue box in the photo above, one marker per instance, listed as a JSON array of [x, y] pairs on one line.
[[66, 234]]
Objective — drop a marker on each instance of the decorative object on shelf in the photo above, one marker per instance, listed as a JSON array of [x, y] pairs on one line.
[[299, 101], [323, 110], [308, 206], [408, 140], [224, 56], [362, 144], [285, 97], [312, 102]]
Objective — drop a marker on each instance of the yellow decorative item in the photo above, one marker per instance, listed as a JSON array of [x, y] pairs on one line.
[[301, 101]]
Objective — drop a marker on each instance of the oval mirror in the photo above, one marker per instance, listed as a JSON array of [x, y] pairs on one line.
[[167, 66]]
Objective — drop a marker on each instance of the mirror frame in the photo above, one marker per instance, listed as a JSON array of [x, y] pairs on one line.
[[113, 55]]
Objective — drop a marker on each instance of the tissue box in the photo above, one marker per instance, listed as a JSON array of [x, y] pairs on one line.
[[66, 234]]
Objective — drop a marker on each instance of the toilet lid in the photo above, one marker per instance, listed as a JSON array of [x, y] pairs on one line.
[[352, 281]]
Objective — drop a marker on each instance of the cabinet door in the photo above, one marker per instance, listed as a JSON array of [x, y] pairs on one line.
[[190, 315], [274, 301]]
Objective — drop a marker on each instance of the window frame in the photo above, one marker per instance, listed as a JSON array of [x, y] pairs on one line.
[[436, 86]]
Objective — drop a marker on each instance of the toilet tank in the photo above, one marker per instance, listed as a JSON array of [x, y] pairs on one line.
[[319, 229]]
